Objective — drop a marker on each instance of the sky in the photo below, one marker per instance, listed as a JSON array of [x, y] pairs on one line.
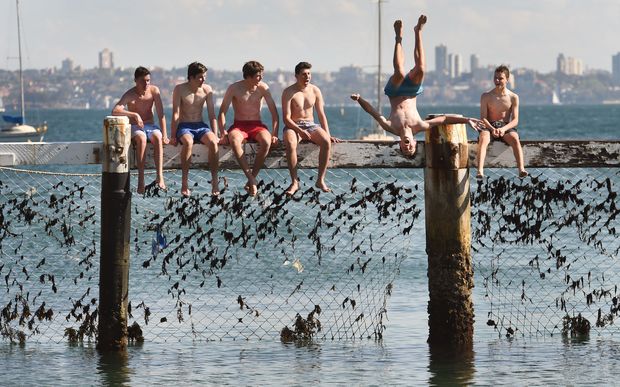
[[224, 34]]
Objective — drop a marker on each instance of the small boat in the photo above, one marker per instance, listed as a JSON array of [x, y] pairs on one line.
[[16, 129]]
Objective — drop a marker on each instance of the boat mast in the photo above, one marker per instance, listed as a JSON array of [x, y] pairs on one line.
[[379, 2], [21, 75]]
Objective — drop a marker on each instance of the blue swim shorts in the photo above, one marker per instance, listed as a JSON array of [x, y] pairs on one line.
[[148, 130], [196, 129]]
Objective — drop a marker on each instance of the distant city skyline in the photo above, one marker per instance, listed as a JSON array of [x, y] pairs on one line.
[[329, 34]]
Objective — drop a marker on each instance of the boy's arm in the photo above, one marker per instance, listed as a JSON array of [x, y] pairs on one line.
[[286, 116], [475, 123], [514, 117], [119, 110], [222, 115], [176, 108], [385, 124], [320, 111], [159, 108], [211, 112], [484, 111], [275, 118]]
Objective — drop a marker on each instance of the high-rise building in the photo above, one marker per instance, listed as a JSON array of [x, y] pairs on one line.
[[458, 65], [441, 59], [560, 65], [569, 65], [615, 68], [450, 65], [474, 63], [106, 59], [67, 66]]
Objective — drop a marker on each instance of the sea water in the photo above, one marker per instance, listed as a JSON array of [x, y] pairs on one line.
[[401, 358]]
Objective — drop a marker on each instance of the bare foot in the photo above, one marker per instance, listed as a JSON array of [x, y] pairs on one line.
[[186, 192], [162, 185], [398, 28], [355, 97], [322, 186], [215, 189], [480, 175], [523, 174], [421, 22], [251, 187], [290, 191]]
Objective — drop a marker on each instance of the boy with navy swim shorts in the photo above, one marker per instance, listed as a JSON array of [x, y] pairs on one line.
[[188, 127], [137, 104]]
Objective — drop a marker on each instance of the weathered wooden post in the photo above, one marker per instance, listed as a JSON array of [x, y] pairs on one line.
[[448, 236], [115, 233]]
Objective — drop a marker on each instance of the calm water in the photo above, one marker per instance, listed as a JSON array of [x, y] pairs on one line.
[[536, 122], [402, 358]]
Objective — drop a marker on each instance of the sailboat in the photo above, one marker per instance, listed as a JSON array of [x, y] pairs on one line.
[[555, 99], [378, 134], [16, 129]]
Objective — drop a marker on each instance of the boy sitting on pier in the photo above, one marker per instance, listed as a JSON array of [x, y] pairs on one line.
[[499, 111], [139, 101]]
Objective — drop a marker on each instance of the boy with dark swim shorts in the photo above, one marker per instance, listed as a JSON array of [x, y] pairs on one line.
[[247, 96], [188, 127], [499, 111], [299, 101], [139, 102]]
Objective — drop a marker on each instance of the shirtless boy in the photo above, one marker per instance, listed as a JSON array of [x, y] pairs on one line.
[[139, 101], [188, 127], [247, 96], [298, 104], [402, 89], [499, 111]]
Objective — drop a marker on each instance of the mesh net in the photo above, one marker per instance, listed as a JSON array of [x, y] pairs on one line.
[[209, 268], [234, 267], [546, 250]]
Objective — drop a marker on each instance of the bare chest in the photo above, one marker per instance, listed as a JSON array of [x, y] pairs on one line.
[[303, 100]]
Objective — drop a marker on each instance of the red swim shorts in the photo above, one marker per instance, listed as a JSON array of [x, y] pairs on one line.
[[249, 129]]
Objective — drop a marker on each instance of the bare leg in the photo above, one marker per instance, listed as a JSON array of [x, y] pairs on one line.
[[159, 159], [417, 74], [512, 139], [210, 140], [483, 142], [236, 143], [321, 138], [187, 142], [399, 56], [290, 142], [263, 138], [140, 143]]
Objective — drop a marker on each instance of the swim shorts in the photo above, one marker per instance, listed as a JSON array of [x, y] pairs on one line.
[[406, 89], [309, 126], [196, 129], [499, 124], [148, 130], [249, 129]]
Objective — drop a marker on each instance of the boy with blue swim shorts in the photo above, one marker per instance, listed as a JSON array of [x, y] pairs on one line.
[[137, 104], [188, 128], [403, 89]]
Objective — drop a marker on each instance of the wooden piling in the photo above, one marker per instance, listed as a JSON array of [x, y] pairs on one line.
[[448, 236], [115, 233]]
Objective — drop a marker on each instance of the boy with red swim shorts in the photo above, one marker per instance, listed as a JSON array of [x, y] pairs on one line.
[[247, 96]]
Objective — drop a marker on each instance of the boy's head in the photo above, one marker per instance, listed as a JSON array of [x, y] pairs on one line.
[[194, 69], [251, 69], [140, 72]]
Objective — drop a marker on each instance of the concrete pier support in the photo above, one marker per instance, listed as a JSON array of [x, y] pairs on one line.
[[115, 234], [448, 236]]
